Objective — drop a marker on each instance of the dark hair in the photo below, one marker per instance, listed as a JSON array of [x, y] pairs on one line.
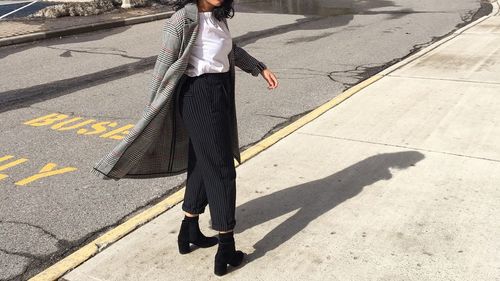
[[225, 10]]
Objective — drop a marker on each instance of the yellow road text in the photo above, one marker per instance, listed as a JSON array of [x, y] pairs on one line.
[[48, 170], [81, 126]]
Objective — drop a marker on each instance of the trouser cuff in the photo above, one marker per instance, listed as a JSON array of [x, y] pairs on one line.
[[195, 211], [223, 228]]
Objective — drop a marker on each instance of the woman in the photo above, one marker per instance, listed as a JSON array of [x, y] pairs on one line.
[[190, 123], [207, 109]]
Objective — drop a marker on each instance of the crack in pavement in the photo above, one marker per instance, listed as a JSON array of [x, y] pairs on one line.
[[67, 52], [32, 225], [283, 74], [12, 275], [22, 254], [32, 258], [358, 73], [273, 116]]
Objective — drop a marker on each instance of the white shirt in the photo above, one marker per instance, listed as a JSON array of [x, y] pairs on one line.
[[211, 48]]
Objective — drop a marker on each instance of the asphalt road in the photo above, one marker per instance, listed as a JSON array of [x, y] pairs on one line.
[[66, 102], [9, 6]]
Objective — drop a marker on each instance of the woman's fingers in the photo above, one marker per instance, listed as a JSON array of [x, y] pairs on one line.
[[270, 78], [270, 82], [273, 81]]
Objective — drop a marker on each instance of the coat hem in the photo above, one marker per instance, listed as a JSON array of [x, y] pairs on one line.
[[103, 175], [138, 176]]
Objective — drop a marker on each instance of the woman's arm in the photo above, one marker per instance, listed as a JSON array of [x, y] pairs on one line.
[[249, 64], [246, 62]]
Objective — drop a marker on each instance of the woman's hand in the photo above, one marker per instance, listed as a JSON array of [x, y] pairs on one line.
[[270, 78]]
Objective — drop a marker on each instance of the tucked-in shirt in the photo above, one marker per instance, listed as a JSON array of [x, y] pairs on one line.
[[211, 48]]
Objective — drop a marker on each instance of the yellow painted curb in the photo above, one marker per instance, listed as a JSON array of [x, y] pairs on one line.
[[86, 252]]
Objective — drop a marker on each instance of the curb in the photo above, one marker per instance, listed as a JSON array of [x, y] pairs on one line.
[[82, 29], [86, 252]]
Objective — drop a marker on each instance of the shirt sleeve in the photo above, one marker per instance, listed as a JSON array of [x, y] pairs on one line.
[[246, 62]]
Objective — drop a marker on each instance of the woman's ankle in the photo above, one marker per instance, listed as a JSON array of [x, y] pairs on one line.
[[191, 219], [226, 237], [186, 214]]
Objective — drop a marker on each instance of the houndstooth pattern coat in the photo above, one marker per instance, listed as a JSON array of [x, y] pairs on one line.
[[157, 146]]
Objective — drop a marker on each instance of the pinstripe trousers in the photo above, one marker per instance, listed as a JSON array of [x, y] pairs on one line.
[[204, 105]]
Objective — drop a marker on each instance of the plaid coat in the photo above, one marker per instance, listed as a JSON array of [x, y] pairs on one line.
[[157, 146]]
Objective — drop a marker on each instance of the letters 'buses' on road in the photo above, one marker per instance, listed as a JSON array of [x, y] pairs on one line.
[[82, 126]]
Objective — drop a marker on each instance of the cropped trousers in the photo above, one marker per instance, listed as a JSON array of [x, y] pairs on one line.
[[205, 107]]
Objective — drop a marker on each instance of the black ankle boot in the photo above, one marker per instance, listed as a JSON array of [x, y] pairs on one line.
[[190, 233], [226, 254]]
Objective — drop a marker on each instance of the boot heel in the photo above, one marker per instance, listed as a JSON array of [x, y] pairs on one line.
[[237, 258], [183, 247], [220, 269]]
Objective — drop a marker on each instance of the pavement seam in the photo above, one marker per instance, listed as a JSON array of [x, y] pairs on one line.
[[444, 79], [86, 252], [401, 146]]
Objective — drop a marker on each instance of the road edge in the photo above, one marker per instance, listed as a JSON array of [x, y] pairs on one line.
[[25, 38], [86, 252], [387, 71]]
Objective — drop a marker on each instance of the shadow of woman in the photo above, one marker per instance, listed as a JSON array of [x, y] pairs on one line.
[[313, 199]]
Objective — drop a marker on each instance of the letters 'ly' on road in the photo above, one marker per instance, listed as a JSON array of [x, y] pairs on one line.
[[11, 162]]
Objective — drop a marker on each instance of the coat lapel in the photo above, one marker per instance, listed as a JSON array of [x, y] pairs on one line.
[[190, 24], [191, 13]]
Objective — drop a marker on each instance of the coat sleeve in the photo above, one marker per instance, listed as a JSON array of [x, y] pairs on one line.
[[246, 62], [169, 53]]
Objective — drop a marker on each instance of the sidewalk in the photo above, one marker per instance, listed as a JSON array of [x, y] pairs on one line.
[[15, 31], [399, 182]]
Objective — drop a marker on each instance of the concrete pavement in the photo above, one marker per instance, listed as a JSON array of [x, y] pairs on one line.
[[399, 182]]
